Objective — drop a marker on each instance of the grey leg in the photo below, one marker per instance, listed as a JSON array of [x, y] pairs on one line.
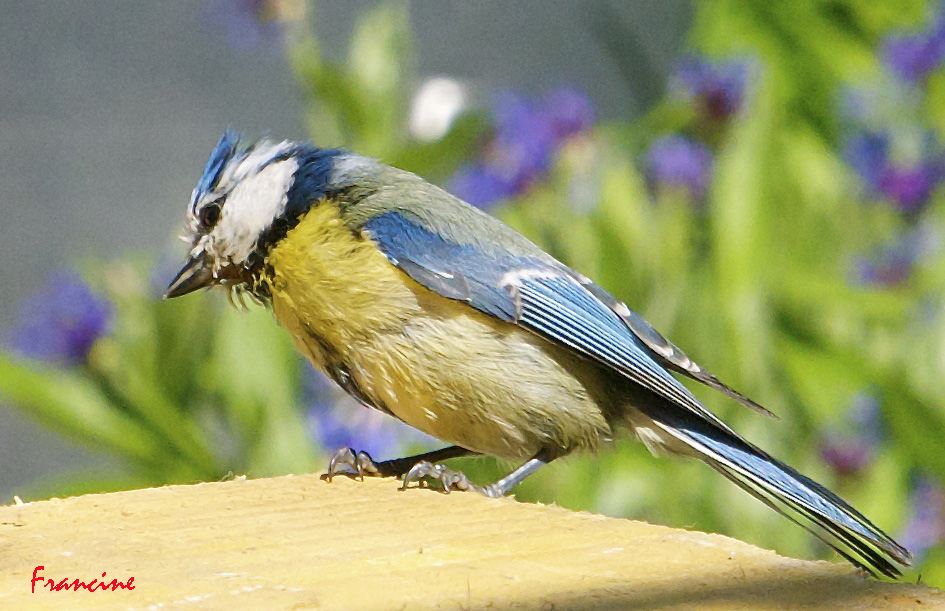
[[363, 464], [456, 480]]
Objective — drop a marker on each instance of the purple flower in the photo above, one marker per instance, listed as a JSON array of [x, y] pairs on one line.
[[60, 324], [846, 457], [336, 422], [911, 186], [850, 447], [247, 23], [678, 162], [891, 267], [892, 264], [716, 87], [524, 145], [570, 111], [528, 136], [478, 186], [907, 184], [913, 56], [926, 525], [867, 153]]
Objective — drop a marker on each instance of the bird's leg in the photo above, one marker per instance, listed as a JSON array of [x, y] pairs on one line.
[[363, 464], [457, 480]]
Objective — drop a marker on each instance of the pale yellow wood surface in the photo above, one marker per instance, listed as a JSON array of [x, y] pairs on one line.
[[297, 542]]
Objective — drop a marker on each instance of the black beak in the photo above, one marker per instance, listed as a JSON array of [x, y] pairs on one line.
[[194, 275]]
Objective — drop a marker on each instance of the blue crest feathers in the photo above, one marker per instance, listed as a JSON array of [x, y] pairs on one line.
[[222, 152]]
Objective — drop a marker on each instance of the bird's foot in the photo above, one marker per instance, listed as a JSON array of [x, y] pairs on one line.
[[449, 479], [360, 462]]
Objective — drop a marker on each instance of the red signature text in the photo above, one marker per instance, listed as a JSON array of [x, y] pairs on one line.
[[77, 584]]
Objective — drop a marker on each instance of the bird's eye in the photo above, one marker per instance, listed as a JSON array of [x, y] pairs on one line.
[[210, 215]]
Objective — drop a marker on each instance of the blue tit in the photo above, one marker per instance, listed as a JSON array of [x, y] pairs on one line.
[[421, 306]]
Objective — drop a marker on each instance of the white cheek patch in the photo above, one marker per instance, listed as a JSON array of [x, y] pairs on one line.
[[250, 209]]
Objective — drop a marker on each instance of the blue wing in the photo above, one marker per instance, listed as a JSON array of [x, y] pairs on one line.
[[544, 296], [665, 352], [537, 293]]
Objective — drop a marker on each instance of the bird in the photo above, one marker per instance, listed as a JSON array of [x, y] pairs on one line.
[[426, 308]]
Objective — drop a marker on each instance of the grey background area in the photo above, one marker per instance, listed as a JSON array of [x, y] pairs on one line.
[[108, 110]]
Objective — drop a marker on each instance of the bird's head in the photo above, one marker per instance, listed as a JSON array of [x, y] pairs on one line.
[[247, 199]]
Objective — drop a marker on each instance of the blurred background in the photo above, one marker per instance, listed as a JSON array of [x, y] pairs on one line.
[[762, 181]]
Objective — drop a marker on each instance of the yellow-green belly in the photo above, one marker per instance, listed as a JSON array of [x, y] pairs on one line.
[[437, 364]]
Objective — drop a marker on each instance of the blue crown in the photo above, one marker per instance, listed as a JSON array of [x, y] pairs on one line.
[[222, 152]]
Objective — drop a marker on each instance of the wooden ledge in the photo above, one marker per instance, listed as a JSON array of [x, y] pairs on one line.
[[297, 542]]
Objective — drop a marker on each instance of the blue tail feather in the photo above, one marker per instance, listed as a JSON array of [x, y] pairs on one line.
[[783, 488]]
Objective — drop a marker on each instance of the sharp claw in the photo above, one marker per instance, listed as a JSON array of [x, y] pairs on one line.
[[365, 464], [449, 479], [360, 462], [344, 456], [454, 480], [417, 473]]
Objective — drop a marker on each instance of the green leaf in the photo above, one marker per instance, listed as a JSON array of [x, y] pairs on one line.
[[823, 382], [255, 368], [435, 161], [917, 426], [739, 235], [126, 365], [73, 405], [77, 483], [377, 64], [379, 45]]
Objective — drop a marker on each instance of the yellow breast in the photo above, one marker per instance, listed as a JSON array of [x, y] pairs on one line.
[[334, 284], [437, 364]]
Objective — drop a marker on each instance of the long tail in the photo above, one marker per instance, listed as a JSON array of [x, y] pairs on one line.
[[795, 496]]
